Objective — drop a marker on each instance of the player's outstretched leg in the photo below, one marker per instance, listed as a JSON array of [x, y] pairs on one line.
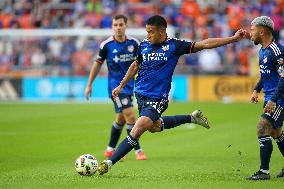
[[169, 122]]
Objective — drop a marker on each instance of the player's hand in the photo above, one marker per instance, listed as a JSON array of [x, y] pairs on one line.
[[116, 91], [254, 97], [270, 107], [88, 92], [242, 34]]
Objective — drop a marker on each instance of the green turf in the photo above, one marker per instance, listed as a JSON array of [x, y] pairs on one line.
[[40, 142]]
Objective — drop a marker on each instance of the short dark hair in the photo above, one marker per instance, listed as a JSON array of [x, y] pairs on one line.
[[119, 16], [157, 20]]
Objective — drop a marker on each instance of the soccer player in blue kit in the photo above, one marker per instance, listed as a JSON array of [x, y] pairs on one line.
[[271, 81], [155, 64], [119, 52]]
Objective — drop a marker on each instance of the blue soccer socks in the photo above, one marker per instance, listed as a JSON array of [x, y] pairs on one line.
[[170, 122], [280, 143], [124, 147], [115, 134], [128, 129], [266, 149]]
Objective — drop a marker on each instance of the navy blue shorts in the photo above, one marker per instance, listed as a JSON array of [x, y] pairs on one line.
[[151, 107], [122, 102], [276, 119]]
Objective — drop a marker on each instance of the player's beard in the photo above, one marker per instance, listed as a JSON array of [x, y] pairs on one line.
[[257, 40]]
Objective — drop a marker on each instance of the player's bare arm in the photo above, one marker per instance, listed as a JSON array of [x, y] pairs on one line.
[[93, 74], [217, 42], [256, 91], [129, 75]]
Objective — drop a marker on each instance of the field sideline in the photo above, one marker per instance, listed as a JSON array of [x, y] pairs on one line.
[[40, 142]]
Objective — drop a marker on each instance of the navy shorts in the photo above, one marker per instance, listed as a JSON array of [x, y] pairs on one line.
[[151, 107], [276, 118], [122, 102]]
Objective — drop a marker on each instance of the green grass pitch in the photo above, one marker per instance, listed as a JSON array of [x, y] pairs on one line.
[[40, 142]]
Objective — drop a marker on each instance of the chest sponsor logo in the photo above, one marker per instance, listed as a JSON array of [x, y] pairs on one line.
[[264, 69], [123, 58], [155, 56]]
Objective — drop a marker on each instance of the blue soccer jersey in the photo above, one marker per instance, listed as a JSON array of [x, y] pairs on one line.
[[156, 66], [119, 56], [271, 66]]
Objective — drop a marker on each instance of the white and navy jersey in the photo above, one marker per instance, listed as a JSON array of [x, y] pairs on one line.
[[119, 56], [156, 66], [271, 67]]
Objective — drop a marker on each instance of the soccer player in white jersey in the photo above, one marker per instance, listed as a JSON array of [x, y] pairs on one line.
[[118, 51], [271, 81], [155, 64]]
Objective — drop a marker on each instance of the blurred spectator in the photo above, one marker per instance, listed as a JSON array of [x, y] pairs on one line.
[[209, 61], [243, 57], [80, 60], [190, 8], [230, 60], [38, 58], [192, 20], [55, 47]]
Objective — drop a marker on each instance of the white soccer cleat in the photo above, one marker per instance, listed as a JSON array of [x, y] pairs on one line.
[[199, 119]]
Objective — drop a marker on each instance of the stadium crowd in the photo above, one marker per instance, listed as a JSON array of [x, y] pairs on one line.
[[192, 19]]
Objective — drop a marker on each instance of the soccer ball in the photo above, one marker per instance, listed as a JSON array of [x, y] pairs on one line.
[[86, 165]]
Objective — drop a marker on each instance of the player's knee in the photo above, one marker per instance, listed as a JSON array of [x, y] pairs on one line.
[[130, 119], [142, 124], [129, 115], [136, 132], [157, 127], [263, 128], [275, 133], [119, 119]]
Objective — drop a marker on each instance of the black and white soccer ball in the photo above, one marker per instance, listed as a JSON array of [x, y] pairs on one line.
[[86, 165]]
